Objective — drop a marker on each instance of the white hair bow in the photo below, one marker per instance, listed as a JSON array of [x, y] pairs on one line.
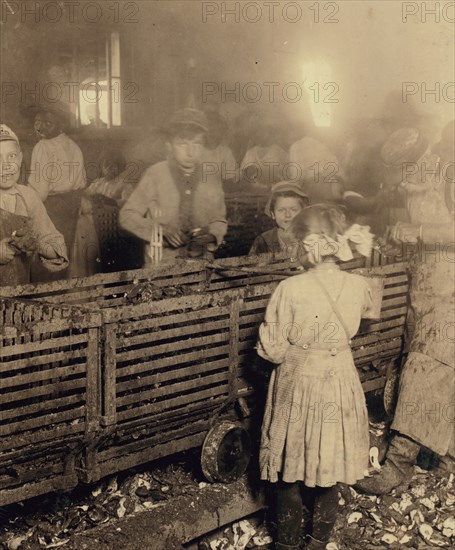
[[357, 237]]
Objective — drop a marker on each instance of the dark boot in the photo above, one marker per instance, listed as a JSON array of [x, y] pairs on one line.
[[281, 546], [397, 470], [314, 544], [445, 467], [289, 515], [324, 517]]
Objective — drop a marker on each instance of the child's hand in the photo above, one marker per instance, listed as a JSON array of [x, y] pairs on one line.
[[404, 233], [23, 240], [7, 253], [200, 242], [174, 236]]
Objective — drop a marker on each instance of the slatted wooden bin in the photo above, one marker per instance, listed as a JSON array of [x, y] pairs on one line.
[[170, 366], [50, 398]]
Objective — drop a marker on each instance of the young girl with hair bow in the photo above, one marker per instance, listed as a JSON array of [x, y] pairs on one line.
[[315, 427]]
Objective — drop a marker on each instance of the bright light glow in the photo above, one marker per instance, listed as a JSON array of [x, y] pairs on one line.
[[317, 79], [88, 97]]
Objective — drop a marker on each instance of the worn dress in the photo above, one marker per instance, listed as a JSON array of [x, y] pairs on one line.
[[315, 426]]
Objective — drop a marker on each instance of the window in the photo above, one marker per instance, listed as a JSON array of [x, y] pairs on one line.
[[98, 67]]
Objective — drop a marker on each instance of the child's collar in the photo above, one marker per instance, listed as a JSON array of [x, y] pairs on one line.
[[178, 172], [10, 191]]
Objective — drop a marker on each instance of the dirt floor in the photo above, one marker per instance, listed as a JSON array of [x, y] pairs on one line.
[[168, 505], [171, 507]]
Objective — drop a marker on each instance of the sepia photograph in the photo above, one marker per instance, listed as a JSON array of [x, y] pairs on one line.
[[227, 274]]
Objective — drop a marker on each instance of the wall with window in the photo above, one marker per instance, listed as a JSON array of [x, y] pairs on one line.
[[133, 70]]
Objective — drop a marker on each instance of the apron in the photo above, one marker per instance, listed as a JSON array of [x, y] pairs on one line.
[[16, 272], [426, 399], [63, 210]]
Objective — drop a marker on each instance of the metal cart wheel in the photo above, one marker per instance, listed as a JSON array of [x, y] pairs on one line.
[[226, 452]]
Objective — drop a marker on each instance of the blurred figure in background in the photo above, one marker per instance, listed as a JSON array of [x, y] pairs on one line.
[[427, 380], [57, 172], [114, 185], [218, 157], [266, 162], [313, 163]]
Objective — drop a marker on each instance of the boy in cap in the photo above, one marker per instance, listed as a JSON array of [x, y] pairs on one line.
[[57, 170], [286, 200], [186, 202], [25, 227]]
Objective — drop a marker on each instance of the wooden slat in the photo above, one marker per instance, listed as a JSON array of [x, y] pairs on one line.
[[152, 408], [377, 337], [51, 343], [125, 458], [174, 374], [93, 396], [50, 436], [45, 420], [18, 364], [154, 440], [395, 345], [51, 373], [233, 345], [376, 326], [48, 405], [160, 431], [375, 384], [161, 419], [179, 318], [395, 312], [394, 291], [206, 325], [34, 458], [398, 279], [180, 359], [58, 387], [172, 347], [392, 302], [110, 373], [171, 389]]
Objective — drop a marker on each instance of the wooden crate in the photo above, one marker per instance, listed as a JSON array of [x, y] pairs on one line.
[[50, 398], [170, 366]]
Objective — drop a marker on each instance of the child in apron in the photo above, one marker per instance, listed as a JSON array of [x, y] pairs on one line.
[[25, 228], [315, 427]]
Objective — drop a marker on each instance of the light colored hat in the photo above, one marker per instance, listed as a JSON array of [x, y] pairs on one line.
[[403, 146], [189, 117], [283, 187], [6, 134]]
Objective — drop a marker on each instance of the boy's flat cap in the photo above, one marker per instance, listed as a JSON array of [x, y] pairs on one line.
[[283, 187], [189, 117], [6, 134], [403, 146]]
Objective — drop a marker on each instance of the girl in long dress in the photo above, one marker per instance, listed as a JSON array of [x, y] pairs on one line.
[[315, 427]]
